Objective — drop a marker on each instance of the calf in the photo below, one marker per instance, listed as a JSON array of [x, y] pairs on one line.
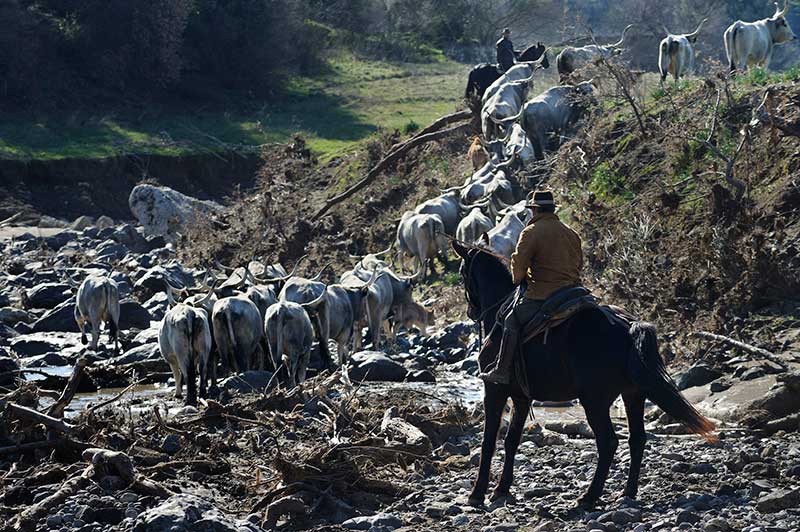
[[97, 301], [477, 154]]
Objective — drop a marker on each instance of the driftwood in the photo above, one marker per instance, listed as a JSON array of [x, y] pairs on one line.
[[29, 414], [753, 350], [31, 446], [57, 408], [762, 114], [115, 398], [390, 159], [28, 518]]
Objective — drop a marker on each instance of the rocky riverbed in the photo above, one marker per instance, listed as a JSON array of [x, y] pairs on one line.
[[391, 443]]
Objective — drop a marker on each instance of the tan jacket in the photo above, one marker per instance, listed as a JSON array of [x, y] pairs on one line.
[[549, 254]]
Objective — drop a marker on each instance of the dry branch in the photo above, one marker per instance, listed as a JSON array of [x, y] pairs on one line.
[[753, 350], [391, 158], [27, 519], [57, 409], [29, 414]]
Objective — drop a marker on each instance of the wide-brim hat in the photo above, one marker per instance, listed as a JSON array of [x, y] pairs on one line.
[[542, 198], [506, 30]]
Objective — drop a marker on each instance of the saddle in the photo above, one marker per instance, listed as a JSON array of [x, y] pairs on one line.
[[557, 309]]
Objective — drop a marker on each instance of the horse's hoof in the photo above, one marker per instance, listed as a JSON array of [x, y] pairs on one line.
[[630, 494], [475, 500], [587, 503], [497, 495]]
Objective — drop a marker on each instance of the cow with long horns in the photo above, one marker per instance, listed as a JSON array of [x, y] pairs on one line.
[[676, 53], [573, 58], [752, 43]]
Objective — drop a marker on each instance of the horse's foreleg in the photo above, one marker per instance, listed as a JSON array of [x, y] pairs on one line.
[[494, 400], [600, 421], [513, 437], [634, 410]]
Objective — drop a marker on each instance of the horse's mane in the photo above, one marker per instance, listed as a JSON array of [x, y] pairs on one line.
[[494, 257]]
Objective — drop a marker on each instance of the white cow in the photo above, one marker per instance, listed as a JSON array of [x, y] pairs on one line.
[[289, 335], [519, 72], [752, 43], [502, 107], [446, 207], [553, 111], [97, 301], [503, 237], [422, 237], [676, 53], [184, 339], [473, 225], [238, 328], [573, 58]]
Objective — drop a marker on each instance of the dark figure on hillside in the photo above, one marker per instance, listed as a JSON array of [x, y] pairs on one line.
[[549, 258], [506, 55]]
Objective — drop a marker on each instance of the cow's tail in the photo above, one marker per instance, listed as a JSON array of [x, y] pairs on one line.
[[730, 46], [234, 349], [193, 335], [113, 326], [648, 372], [277, 357]]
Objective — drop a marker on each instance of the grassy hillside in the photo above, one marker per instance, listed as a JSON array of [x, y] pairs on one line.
[[350, 100]]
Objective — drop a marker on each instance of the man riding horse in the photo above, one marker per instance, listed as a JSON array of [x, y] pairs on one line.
[[549, 257], [506, 55]]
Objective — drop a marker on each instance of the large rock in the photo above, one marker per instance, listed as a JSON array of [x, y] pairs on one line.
[[12, 316], [60, 319], [189, 513], [381, 521], [7, 366], [138, 354], [47, 295], [128, 236], [163, 211], [61, 239], [132, 315], [29, 345], [698, 375], [375, 366], [150, 282], [157, 305], [110, 251], [778, 500]]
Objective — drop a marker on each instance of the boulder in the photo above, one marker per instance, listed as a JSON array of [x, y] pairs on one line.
[[157, 305], [150, 282], [47, 295], [375, 366], [110, 251], [11, 316], [29, 345], [138, 354], [185, 512], [698, 375], [7, 332], [377, 521], [61, 239], [82, 222], [7, 365], [423, 375], [104, 222], [128, 236], [163, 211], [147, 336], [132, 315], [778, 500], [60, 319]]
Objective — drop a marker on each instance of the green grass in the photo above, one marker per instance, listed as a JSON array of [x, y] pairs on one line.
[[351, 100], [609, 185], [759, 77]]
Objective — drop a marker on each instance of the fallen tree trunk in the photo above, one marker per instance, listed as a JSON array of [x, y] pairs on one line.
[[763, 353], [391, 158], [27, 519]]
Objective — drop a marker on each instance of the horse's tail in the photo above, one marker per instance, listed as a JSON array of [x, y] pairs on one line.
[[648, 371]]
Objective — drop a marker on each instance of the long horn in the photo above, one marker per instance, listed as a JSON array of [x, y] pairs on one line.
[[319, 275], [384, 252], [222, 267], [666, 30], [785, 8], [373, 277], [453, 189], [621, 39], [502, 121], [270, 280], [697, 31], [313, 304], [72, 282], [170, 296], [202, 302]]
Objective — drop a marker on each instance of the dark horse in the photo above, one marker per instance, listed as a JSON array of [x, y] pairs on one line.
[[588, 358], [484, 74]]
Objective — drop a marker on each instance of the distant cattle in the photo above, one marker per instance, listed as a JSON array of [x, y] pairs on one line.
[[676, 53], [573, 58], [422, 237], [96, 302], [752, 43]]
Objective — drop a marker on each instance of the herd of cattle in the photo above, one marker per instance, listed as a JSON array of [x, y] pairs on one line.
[[260, 315], [246, 320]]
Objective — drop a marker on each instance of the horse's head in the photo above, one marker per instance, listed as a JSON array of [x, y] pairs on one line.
[[486, 280]]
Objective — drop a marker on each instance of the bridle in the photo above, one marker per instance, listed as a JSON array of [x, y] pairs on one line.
[[467, 275]]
